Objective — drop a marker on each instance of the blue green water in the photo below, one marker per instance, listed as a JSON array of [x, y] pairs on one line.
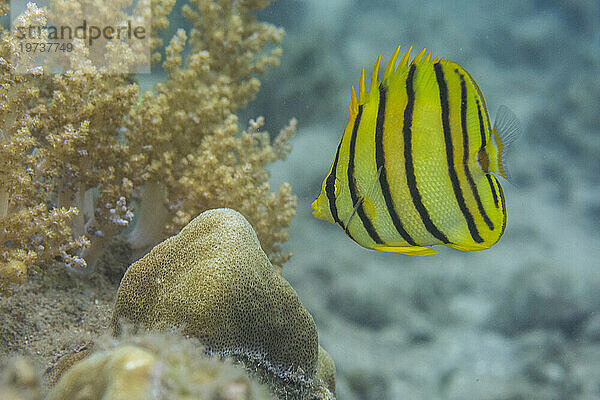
[[518, 321]]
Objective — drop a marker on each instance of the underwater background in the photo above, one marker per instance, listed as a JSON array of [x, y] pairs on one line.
[[518, 321]]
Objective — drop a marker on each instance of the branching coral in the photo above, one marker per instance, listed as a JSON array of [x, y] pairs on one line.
[[86, 162], [20, 379], [33, 233], [77, 146], [120, 52], [191, 153], [3, 7], [68, 142], [229, 171]]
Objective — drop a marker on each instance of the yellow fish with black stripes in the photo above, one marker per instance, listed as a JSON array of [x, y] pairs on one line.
[[418, 162]]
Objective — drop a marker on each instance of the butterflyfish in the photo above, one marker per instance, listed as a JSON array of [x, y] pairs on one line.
[[418, 162]]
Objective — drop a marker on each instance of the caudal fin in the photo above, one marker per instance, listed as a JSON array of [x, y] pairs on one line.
[[507, 130]]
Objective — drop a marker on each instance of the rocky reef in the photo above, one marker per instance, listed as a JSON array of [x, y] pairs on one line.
[[204, 314]]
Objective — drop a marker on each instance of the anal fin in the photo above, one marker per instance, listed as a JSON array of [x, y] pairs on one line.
[[408, 250], [469, 247]]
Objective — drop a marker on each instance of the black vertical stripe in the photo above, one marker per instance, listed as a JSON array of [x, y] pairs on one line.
[[502, 201], [445, 111], [494, 195], [411, 180], [481, 126], [463, 123], [330, 187], [352, 184], [330, 191], [380, 160]]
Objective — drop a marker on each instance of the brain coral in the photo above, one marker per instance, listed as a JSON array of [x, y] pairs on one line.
[[213, 281]]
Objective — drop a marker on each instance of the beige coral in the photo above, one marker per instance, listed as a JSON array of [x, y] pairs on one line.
[[115, 56], [76, 147], [326, 371], [34, 234], [185, 139], [3, 7], [80, 126], [123, 374], [20, 379], [157, 366], [213, 281]]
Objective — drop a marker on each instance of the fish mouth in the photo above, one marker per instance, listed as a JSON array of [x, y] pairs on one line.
[[316, 212]]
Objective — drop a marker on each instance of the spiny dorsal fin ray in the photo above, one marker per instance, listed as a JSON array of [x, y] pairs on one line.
[[427, 79], [389, 69], [419, 57], [362, 92], [353, 101], [405, 57], [375, 75]]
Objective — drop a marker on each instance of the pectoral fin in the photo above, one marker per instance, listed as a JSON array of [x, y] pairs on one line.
[[365, 200]]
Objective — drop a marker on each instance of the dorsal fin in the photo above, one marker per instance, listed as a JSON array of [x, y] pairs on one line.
[[389, 69], [353, 102], [507, 130], [419, 57], [375, 75], [362, 92], [404, 61]]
